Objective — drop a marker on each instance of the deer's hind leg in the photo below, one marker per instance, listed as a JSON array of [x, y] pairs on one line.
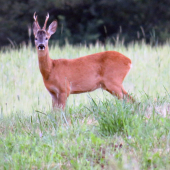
[[114, 89], [118, 91]]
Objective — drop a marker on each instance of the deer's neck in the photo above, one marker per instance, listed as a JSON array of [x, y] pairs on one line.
[[45, 63]]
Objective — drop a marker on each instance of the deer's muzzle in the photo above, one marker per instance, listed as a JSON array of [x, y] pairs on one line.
[[41, 47]]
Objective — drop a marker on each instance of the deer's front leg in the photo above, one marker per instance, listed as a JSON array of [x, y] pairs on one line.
[[59, 100], [62, 98], [54, 101]]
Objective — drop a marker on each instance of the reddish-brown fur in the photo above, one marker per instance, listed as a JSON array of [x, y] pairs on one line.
[[63, 77]]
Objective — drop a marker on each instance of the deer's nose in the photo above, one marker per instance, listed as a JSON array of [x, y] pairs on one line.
[[41, 47]]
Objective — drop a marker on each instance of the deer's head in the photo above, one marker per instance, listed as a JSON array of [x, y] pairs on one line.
[[42, 35]]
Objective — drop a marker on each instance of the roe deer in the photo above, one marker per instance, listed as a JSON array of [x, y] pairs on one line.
[[63, 77]]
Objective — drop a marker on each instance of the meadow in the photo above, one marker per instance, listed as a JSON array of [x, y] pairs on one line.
[[96, 131]]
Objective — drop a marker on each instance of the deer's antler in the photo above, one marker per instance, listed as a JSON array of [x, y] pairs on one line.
[[36, 21], [47, 17]]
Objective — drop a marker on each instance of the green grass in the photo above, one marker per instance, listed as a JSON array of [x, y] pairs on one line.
[[96, 131]]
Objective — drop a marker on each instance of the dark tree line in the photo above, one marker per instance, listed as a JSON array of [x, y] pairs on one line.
[[86, 21]]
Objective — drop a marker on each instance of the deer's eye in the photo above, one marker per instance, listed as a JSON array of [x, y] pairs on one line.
[[46, 38], [35, 38]]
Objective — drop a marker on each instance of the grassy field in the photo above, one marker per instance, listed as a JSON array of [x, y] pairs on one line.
[[96, 131]]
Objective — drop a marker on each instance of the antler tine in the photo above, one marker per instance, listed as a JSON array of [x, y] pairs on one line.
[[47, 17], [35, 18]]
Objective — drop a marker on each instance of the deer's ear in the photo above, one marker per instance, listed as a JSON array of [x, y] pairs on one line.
[[52, 28], [35, 28]]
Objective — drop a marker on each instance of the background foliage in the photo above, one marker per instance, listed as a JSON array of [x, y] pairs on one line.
[[87, 21]]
